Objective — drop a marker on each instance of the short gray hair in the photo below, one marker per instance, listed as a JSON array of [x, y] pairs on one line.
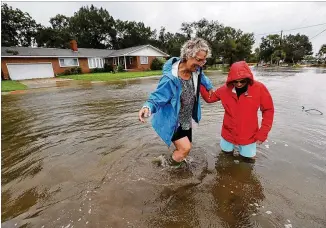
[[193, 46]]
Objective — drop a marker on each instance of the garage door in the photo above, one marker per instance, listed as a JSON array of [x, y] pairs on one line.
[[30, 71]]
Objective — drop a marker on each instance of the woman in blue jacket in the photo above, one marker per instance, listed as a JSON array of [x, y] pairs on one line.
[[175, 102]]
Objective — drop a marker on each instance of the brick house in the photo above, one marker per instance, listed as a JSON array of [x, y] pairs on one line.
[[19, 63]]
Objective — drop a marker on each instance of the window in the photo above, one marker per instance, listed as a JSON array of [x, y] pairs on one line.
[[95, 63], [143, 60], [114, 61], [122, 61], [130, 60], [68, 62]]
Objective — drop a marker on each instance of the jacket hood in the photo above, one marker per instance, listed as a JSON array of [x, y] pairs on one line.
[[239, 70], [167, 67]]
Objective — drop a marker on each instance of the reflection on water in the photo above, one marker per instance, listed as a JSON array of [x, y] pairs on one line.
[[236, 190], [22, 203], [76, 156]]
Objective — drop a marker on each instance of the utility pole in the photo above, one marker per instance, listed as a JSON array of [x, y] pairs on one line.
[[280, 49]]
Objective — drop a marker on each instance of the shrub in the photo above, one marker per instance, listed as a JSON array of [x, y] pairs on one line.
[[120, 68], [67, 72], [157, 64], [79, 70], [97, 70], [94, 70], [108, 68], [75, 70]]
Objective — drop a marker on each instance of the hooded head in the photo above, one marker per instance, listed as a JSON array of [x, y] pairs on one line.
[[240, 75]]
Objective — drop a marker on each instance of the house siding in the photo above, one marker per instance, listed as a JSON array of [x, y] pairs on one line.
[[144, 66], [83, 64], [136, 65]]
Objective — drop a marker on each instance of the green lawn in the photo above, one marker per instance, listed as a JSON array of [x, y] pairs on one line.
[[9, 85], [111, 76]]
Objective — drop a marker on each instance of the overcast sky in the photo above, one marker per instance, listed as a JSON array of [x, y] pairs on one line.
[[257, 17]]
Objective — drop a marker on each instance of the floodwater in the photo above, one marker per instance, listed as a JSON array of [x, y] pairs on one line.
[[78, 157]]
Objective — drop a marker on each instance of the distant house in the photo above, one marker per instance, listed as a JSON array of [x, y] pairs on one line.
[[19, 63]]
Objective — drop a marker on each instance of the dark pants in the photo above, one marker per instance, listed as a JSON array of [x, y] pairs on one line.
[[182, 133]]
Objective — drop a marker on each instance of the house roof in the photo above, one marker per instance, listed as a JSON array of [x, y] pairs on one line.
[[130, 50], [58, 52], [124, 51], [53, 52]]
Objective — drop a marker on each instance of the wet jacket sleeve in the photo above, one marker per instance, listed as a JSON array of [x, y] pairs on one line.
[[160, 96], [205, 95], [206, 82], [267, 109]]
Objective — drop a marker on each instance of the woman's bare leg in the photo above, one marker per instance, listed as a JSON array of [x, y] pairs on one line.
[[183, 147]]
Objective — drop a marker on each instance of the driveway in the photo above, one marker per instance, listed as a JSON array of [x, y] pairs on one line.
[[45, 82]]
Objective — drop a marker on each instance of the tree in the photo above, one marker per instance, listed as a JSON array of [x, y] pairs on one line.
[[292, 49], [236, 45], [174, 43], [93, 28], [321, 55], [212, 32], [254, 56], [60, 22], [228, 49], [244, 46], [187, 28], [131, 33], [296, 47], [56, 36], [161, 37], [309, 59], [322, 50], [161, 41], [278, 55], [269, 45], [170, 42], [226, 43], [17, 28]]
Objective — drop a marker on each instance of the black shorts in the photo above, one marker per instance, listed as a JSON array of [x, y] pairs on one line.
[[182, 133]]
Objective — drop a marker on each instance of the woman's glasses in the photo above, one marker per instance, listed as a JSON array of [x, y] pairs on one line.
[[243, 81]]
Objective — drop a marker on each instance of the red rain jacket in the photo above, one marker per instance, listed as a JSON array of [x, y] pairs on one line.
[[240, 123]]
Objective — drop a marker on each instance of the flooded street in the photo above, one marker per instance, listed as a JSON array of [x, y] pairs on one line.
[[79, 157]]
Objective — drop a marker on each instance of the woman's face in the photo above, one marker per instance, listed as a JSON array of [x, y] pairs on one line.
[[240, 83], [198, 61]]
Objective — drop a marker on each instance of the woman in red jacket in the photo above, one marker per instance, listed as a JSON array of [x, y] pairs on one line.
[[241, 97]]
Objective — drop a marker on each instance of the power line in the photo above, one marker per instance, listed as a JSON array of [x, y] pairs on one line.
[[318, 34], [310, 16], [291, 29]]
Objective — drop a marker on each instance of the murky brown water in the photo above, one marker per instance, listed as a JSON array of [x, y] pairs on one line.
[[78, 157]]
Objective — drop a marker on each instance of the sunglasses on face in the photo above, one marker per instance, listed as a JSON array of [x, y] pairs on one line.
[[243, 81], [202, 61]]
